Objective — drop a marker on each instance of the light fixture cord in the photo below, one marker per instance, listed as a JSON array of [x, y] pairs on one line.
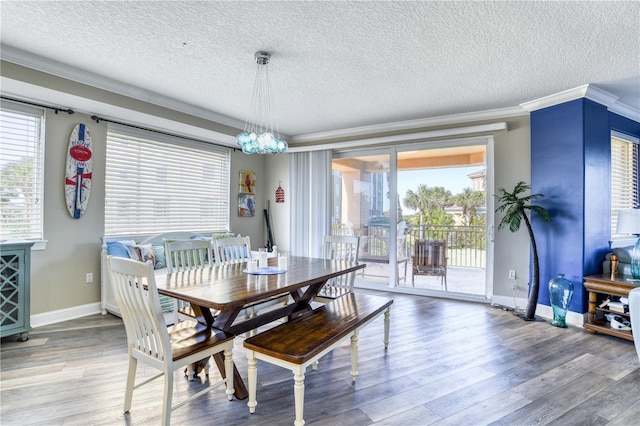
[[261, 106]]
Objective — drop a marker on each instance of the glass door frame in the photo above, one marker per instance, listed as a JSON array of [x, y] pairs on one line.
[[392, 152]]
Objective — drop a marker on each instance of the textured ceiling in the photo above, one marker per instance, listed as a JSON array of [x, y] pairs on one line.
[[337, 65]]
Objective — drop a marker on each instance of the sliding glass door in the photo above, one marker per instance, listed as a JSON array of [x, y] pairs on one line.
[[433, 199], [361, 207]]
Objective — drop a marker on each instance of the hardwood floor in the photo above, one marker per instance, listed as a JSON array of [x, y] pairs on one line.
[[448, 363]]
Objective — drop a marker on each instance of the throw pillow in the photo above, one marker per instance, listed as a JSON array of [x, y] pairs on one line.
[[119, 248], [161, 258], [142, 253]]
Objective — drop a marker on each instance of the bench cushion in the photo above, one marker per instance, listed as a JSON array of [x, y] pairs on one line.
[[304, 337]]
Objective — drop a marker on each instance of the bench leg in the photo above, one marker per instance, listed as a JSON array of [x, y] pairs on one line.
[[252, 377], [298, 394], [354, 355], [387, 322]]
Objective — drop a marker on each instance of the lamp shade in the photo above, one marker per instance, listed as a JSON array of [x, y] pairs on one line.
[[628, 221]]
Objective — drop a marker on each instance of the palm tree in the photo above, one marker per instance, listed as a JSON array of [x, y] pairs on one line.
[[515, 208], [469, 200], [426, 199]]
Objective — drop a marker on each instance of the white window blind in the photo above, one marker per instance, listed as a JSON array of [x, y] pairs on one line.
[[157, 183], [21, 171], [624, 178]]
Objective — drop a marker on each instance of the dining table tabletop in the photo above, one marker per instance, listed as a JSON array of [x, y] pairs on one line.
[[219, 294]]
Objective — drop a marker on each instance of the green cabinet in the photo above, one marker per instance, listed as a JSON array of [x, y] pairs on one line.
[[15, 291]]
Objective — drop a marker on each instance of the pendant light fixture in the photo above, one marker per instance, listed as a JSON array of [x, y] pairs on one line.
[[259, 136]]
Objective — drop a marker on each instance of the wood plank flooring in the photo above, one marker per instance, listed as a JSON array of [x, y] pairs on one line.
[[448, 363]]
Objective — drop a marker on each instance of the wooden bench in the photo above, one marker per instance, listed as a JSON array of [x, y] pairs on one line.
[[301, 341]]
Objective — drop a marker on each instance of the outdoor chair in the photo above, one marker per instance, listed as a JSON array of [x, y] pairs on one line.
[[430, 258], [151, 342]]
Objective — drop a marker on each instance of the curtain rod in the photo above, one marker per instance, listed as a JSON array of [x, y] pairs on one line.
[[56, 109], [99, 119]]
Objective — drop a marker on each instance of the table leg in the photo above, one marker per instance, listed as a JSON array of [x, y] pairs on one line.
[[204, 315]]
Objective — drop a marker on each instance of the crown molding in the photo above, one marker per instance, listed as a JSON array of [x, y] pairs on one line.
[[58, 69], [588, 91], [625, 111], [411, 124], [406, 137]]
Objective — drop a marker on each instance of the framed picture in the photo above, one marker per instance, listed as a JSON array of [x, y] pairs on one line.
[[246, 205], [247, 182]]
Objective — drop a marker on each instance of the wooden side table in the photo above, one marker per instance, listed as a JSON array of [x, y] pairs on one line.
[[600, 287]]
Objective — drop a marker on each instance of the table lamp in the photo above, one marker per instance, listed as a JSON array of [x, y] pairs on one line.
[[629, 223]]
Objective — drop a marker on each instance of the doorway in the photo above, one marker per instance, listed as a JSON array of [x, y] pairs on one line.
[[433, 194]]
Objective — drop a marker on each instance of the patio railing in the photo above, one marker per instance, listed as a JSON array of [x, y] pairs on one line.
[[465, 244]]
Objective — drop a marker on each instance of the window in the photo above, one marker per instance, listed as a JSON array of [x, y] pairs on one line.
[[624, 177], [157, 183], [21, 171]]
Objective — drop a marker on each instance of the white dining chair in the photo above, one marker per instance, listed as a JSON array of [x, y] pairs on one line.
[[186, 255], [232, 250], [151, 342], [339, 247]]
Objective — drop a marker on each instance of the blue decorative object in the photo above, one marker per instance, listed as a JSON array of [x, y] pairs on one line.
[[259, 136], [560, 294], [635, 260]]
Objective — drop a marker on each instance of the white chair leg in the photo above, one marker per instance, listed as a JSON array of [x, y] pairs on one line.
[[252, 378], [168, 398], [298, 395], [131, 378], [228, 369], [176, 309], [190, 372], [354, 356], [387, 322], [206, 368]]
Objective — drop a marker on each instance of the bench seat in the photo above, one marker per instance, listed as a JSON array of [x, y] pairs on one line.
[[301, 341]]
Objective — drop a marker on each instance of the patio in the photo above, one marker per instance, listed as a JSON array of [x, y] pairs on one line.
[[459, 279]]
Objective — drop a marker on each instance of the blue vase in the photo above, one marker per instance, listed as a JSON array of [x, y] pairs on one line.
[[560, 294]]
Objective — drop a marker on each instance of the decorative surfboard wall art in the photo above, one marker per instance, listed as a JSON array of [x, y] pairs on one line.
[[77, 182]]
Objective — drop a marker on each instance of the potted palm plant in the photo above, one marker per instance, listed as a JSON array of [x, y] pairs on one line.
[[515, 206]]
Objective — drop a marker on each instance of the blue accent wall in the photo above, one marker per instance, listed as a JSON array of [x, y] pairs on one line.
[[570, 166]]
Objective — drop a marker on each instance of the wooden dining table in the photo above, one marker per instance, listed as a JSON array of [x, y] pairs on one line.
[[219, 294]]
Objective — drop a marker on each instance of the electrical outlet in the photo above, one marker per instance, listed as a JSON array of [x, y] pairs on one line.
[[89, 277], [512, 274]]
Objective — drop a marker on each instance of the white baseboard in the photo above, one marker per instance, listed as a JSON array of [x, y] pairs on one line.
[[573, 318], [52, 317]]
